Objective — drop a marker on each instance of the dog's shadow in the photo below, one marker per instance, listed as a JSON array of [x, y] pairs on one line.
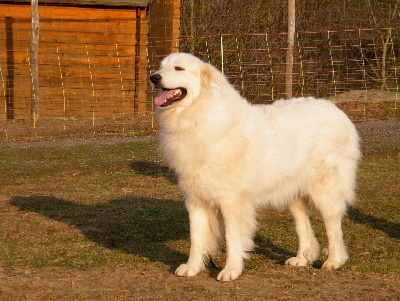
[[121, 223], [139, 226], [269, 250], [154, 169]]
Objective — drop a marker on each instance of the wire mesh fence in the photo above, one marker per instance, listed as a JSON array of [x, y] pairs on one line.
[[351, 67], [91, 84]]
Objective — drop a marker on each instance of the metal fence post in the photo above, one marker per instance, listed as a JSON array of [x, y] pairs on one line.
[[222, 54]]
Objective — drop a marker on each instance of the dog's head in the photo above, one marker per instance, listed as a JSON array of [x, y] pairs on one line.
[[181, 77]]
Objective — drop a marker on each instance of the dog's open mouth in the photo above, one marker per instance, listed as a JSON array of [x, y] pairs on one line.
[[169, 96]]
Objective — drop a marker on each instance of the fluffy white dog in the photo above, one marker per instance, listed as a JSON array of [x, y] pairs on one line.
[[232, 157]]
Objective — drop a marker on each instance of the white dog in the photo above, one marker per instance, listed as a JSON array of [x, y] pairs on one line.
[[232, 157]]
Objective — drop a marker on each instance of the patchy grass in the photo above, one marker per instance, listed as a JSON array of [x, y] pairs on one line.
[[99, 203]]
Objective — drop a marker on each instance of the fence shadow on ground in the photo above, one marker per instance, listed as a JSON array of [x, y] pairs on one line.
[[390, 228], [139, 226]]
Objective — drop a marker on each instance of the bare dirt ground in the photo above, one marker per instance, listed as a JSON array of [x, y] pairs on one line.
[[155, 281], [148, 282]]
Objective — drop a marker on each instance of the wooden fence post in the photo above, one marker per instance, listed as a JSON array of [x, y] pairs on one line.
[[290, 49], [34, 60]]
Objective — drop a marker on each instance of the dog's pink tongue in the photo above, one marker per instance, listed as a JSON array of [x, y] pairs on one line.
[[163, 97]]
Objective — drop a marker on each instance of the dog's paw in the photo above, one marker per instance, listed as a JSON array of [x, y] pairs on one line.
[[297, 262], [185, 270], [229, 274], [331, 265]]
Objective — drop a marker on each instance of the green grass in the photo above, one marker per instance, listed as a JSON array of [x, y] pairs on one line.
[[119, 204]]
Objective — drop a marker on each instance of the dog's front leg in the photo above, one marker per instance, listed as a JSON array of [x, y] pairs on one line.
[[198, 234], [240, 226], [234, 260]]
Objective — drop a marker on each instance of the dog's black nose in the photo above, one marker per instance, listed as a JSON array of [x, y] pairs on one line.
[[155, 78]]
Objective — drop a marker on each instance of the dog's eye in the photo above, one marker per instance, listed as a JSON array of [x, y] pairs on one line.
[[178, 68]]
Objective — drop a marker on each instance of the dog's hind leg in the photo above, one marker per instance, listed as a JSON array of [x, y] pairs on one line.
[[240, 226], [337, 253], [330, 202], [206, 232], [308, 248]]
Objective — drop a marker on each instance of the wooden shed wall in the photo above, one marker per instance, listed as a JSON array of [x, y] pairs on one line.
[[164, 30], [92, 61]]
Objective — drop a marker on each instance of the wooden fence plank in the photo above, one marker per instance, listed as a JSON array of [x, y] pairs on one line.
[[82, 51]]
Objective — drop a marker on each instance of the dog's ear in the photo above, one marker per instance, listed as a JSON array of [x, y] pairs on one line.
[[211, 76], [206, 74]]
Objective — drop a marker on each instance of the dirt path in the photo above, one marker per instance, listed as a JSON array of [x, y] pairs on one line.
[[155, 283]]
